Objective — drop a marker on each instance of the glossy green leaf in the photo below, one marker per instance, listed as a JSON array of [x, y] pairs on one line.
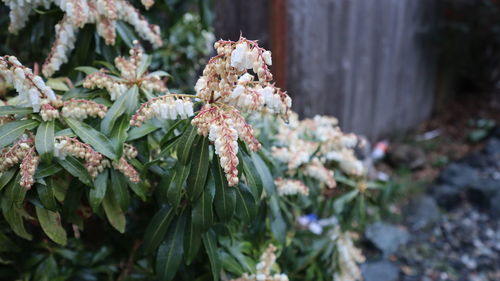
[[139, 132], [203, 213], [247, 206], [265, 174], [44, 140], [170, 252], [96, 139], [192, 241], [11, 131], [174, 192], [46, 196], [11, 110], [97, 194], [210, 245], [252, 176], [157, 229], [47, 170], [7, 176], [74, 167], [13, 216], [87, 69], [119, 187], [15, 193], [116, 110], [51, 225], [113, 212], [185, 144], [199, 170], [119, 134], [225, 196]]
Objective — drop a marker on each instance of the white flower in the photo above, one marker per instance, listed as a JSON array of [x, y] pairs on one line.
[[239, 56], [267, 57]]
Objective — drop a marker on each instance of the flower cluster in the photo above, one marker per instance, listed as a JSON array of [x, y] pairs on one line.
[[348, 257], [167, 107], [48, 112], [130, 74], [82, 109], [28, 167], [227, 89], [124, 167], [226, 79], [31, 88], [266, 262], [22, 151], [94, 161], [290, 187], [103, 13]]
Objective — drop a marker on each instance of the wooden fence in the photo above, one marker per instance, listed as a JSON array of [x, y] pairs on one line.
[[367, 62]]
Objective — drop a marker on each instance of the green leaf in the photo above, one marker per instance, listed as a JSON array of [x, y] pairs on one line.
[[44, 171], [65, 133], [97, 194], [87, 69], [143, 66], [210, 244], [44, 140], [75, 168], [157, 229], [247, 207], [139, 132], [170, 132], [132, 100], [11, 131], [7, 176], [46, 195], [265, 174], [174, 191], [57, 84], [120, 189], [170, 252], [199, 170], [51, 225], [116, 110], [185, 145], [340, 202], [192, 241], [13, 216], [15, 193], [225, 196], [252, 176], [119, 134], [11, 110], [113, 212], [96, 139], [203, 214]]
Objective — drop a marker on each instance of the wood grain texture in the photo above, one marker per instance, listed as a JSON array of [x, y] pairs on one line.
[[367, 62]]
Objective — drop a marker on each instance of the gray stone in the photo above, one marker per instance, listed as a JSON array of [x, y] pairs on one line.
[[447, 196], [459, 175], [493, 147], [386, 237], [421, 212], [380, 271]]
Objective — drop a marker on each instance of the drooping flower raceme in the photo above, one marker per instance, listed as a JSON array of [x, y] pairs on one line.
[[23, 152], [227, 90], [266, 262], [82, 109], [348, 257], [290, 187], [31, 88], [167, 107], [102, 13]]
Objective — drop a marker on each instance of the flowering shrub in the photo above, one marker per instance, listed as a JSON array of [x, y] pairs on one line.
[[197, 186]]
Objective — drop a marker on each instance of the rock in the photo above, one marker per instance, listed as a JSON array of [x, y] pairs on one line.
[[459, 175], [492, 147], [495, 205], [380, 271], [421, 212], [482, 190], [386, 237], [407, 155], [446, 196]]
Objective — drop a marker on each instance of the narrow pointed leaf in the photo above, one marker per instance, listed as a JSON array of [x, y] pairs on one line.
[[11, 131], [252, 176], [225, 196], [46, 196], [113, 212], [96, 139], [210, 244], [51, 225], [247, 207], [44, 140], [119, 187], [139, 132], [199, 170], [185, 144], [97, 194], [74, 167], [203, 213], [192, 241], [174, 191], [116, 110], [157, 229], [170, 252], [11, 110], [6, 177], [119, 134]]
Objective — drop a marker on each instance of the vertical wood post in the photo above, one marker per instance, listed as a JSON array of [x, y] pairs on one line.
[[279, 39]]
